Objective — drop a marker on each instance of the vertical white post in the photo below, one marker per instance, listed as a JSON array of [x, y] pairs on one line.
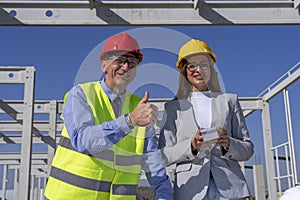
[[52, 132], [4, 181], [259, 182], [16, 185], [267, 134], [26, 148], [290, 135], [32, 187]]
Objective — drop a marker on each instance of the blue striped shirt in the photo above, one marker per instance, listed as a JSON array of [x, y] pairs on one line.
[[89, 138]]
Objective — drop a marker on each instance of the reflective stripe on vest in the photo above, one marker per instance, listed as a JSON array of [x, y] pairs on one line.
[[82, 182], [128, 160], [104, 155], [90, 184]]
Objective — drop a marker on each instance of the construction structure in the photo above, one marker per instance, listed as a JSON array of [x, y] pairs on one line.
[[31, 168], [155, 12]]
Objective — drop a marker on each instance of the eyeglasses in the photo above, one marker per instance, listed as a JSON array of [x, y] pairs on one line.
[[193, 66], [121, 60]]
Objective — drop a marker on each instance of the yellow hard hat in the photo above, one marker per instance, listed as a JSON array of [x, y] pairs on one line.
[[194, 47]]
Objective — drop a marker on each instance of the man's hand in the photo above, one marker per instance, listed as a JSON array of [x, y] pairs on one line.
[[145, 114]]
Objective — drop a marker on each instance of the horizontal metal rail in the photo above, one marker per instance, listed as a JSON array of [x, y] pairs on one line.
[[156, 13]]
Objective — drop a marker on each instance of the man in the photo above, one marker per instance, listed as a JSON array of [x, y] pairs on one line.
[[108, 134]]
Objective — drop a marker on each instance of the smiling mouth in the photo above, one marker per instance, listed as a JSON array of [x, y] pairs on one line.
[[121, 73], [124, 76], [198, 77]]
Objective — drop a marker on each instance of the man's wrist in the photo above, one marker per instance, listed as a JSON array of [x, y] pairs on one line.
[[128, 121]]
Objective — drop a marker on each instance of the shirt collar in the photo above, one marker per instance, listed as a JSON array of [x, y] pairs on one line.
[[111, 95], [200, 94]]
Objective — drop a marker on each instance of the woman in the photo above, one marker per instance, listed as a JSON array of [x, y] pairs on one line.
[[206, 167]]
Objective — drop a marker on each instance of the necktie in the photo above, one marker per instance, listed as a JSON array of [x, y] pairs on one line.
[[116, 105]]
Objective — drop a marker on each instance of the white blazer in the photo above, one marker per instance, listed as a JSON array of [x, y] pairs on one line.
[[192, 172]]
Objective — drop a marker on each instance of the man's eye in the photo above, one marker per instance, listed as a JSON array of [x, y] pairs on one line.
[[119, 61], [133, 61]]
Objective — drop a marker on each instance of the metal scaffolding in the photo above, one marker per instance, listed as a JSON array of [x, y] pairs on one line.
[[164, 12], [26, 76]]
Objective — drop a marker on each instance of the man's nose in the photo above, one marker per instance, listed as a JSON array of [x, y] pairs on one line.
[[125, 65]]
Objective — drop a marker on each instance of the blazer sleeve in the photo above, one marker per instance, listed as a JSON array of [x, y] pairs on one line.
[[241, 148], [174, 150]]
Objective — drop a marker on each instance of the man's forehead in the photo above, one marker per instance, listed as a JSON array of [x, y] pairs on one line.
[[122, 53]]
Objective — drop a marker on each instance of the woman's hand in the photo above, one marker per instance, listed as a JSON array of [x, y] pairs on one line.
[[197, 140], [223, 140]]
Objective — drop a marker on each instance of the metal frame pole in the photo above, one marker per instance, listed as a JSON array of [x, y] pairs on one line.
[[16, 184], [290, 135], [267, 134], [52, 132], [4, 181], [26, 148], [259, 182]]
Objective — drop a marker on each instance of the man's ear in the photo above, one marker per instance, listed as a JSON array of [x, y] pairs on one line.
[[104, 65]]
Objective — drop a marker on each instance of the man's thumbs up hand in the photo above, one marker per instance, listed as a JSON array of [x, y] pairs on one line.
[[145, 98], [145, 114]]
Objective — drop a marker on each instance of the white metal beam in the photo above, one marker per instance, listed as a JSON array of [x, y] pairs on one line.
[[268, 144], [290, 135], [26, 76], [259, 183], [296, 4], [251, 103], [148, 12], [4, 181], [26, 147], [52, 133], [39, 126], [279, 85], [283, 82], [17, 106], [17, 139]]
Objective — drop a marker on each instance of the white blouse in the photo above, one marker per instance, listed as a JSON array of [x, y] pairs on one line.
[[201, 102]]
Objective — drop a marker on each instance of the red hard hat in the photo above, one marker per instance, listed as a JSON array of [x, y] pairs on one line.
[[122, 42]]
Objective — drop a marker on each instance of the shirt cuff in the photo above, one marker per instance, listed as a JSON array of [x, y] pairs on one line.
[[227, 153], [123, 125]]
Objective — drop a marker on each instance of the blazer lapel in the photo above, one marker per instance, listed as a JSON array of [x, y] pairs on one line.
[[218, 110]]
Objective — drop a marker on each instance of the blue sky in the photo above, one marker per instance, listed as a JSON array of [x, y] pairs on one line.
[[249, 59]]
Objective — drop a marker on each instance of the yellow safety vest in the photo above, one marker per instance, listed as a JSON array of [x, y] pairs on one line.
[[110, 174]]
